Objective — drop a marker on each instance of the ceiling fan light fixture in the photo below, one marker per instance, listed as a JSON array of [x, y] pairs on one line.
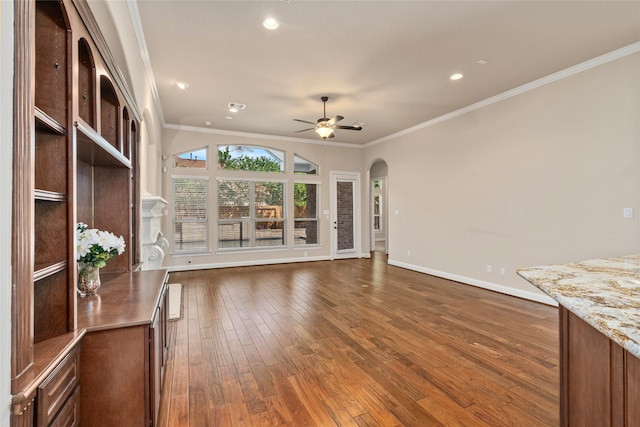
[[325, 126], [324, 131]]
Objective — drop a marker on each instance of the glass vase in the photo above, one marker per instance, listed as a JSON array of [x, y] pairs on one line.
[[88, 279]]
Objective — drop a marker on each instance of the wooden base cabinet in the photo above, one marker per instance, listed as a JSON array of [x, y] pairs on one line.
[[599, 380], [123, 351]]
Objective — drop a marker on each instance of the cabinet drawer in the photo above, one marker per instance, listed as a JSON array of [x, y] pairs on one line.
[[54, 391], [69, 415]]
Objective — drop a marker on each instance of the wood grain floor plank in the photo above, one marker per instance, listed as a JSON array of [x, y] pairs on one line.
[[446, 410], [356, 342], [212, 375]]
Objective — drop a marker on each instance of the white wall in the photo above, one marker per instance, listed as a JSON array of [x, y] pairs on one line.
[[6, 158], [538, 178]]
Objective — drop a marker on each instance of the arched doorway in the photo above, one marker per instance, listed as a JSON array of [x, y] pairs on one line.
[[378, 206]]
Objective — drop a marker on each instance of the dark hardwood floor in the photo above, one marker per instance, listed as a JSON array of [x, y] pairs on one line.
[[356, 343]]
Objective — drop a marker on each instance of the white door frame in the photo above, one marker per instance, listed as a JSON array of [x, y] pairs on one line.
[[355, 178]]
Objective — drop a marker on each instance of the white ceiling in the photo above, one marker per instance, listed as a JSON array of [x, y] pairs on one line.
[[382, 63]]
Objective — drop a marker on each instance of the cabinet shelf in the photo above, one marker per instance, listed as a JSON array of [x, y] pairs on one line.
[[43, 271], [95, 150], [46, 122], [51, 155], [51, 229], [49, 196]]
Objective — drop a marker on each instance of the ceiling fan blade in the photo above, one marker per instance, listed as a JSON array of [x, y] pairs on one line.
[[349, 127], [335, 120], [304, 121], [304, 130]]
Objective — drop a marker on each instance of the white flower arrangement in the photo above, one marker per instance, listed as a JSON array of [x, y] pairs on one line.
[[97, 247]]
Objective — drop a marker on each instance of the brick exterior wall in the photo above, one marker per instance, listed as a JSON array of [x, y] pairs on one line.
[[345, 215]]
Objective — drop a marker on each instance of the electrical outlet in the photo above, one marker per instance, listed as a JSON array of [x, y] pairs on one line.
[[489, 269], [503, 271]]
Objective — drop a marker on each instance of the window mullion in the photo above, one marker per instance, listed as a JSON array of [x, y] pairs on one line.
[[252, 213]]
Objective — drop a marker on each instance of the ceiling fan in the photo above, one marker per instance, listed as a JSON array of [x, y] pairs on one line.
[[325, 126]]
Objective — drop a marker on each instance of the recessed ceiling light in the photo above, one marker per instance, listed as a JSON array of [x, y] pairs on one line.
[[456, 76], [233, 110], [270, 23], [483, 62], [229, 118], [208, 123], [182, 85]]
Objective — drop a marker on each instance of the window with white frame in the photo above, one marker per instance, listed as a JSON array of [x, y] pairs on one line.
[[191, 159], [190, 214], [250, 214], [304, 166], [305, 199], [377, 205], [250, 158]]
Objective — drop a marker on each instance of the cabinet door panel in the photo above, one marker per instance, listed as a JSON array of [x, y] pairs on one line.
[[114, 377], [156, 357], [588, 377], [632, 389]]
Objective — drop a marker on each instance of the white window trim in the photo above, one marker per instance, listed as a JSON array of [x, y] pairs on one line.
[[175, 251], [253, 219], [318, 184]]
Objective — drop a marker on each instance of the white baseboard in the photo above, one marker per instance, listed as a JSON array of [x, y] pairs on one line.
[[190, 267], [532, 296]]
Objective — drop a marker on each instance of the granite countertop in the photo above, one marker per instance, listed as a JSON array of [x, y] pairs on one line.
[[604, 292]]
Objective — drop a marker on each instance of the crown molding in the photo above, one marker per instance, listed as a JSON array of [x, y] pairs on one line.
[[551, 78], [260, 136], [134, 12]]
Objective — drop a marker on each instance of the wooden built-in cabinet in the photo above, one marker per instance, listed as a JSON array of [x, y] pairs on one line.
[[75, 152], [599, 380], [125, 346]]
